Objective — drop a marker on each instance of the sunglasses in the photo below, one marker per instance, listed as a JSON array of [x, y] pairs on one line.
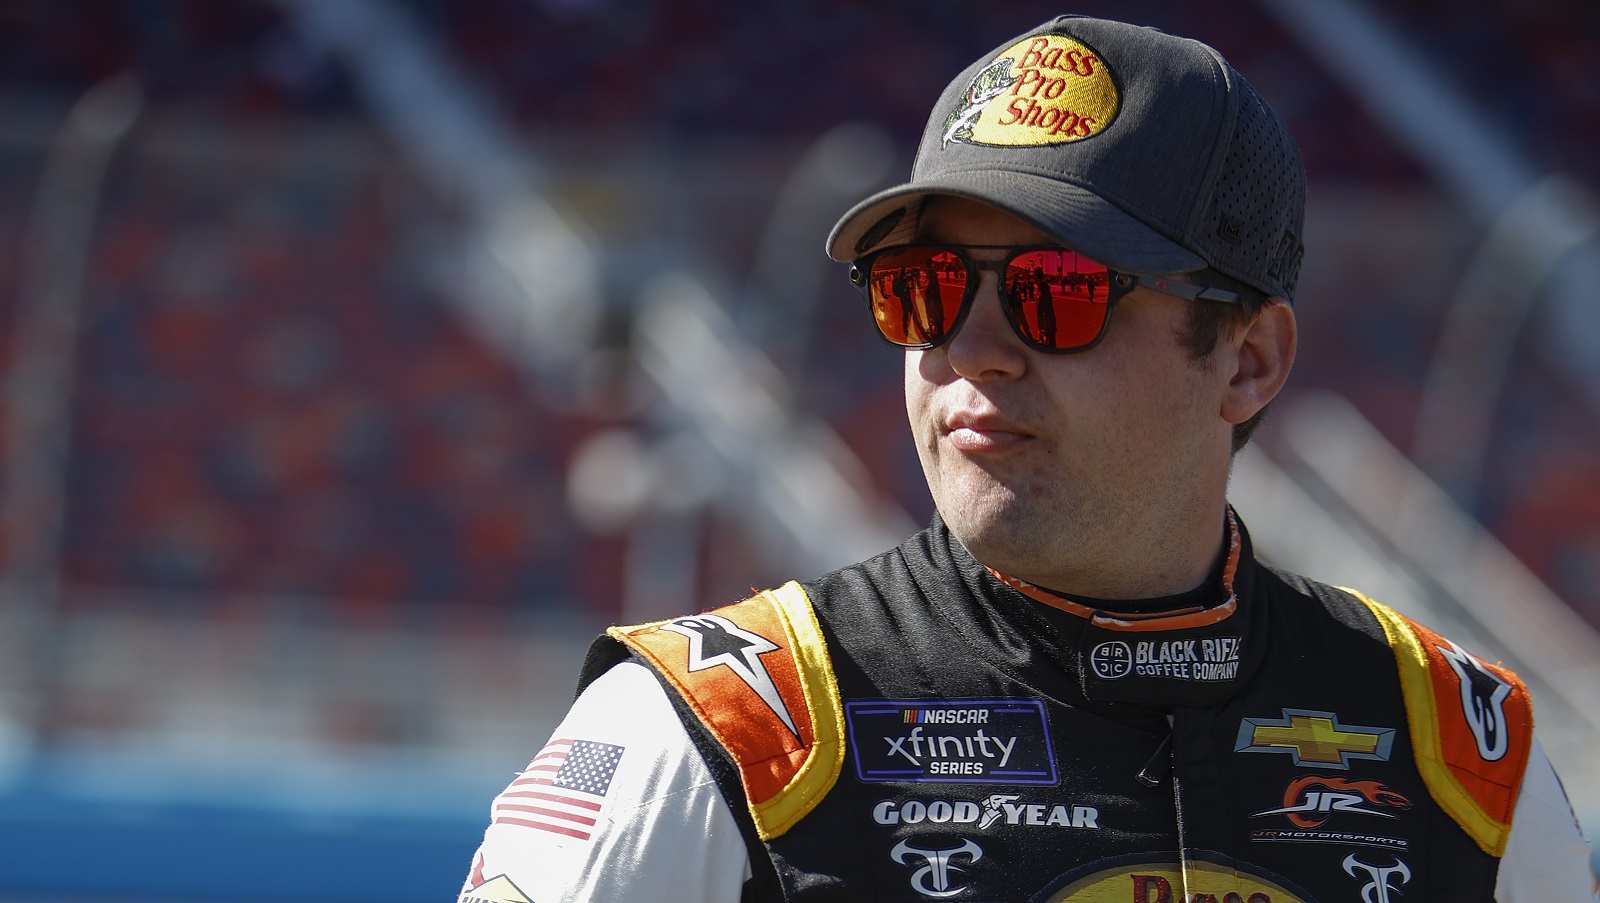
[[1058, 301]]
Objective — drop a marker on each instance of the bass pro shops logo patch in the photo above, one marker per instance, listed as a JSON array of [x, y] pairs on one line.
[[1047, 89], [1150, 878]]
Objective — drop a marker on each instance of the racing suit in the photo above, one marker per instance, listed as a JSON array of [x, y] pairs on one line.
[[919, 727]]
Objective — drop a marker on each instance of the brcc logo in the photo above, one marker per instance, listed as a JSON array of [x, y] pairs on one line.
[[1112, 660]]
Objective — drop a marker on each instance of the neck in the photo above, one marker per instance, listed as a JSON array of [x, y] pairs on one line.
[[1216, 589], [1132, 564]]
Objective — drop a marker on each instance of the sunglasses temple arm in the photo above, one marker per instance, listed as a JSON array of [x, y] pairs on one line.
[[1188, 291]]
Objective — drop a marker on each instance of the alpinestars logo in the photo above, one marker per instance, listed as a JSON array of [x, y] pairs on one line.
[[715, 640], [1310, 801], [932, 878], [1377, 890], [1483, 697]]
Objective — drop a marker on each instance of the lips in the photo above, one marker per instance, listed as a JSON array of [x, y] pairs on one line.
[[972, 431]]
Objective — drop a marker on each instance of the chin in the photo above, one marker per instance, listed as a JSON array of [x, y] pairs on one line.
[[1001, 535]]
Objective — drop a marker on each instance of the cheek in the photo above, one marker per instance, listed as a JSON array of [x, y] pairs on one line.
[[1142, 394], [919, 392]]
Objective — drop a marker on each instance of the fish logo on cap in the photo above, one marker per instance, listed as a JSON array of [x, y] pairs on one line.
[[1046, 89]]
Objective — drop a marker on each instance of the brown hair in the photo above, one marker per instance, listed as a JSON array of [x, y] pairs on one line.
[[1210, 322]]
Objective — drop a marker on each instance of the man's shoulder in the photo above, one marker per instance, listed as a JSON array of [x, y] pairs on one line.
[[756, 678], [1292, 593], [1470, 720]]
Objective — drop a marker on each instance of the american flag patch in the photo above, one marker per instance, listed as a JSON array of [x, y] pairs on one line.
[[562, 789]]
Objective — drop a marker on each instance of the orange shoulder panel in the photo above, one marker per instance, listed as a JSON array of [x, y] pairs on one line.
[[757, 675], [1471, 726]]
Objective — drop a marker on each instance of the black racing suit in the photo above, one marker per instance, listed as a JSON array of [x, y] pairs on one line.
[[917, 727]]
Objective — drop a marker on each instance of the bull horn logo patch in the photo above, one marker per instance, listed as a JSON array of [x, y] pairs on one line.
[[1047, 89]]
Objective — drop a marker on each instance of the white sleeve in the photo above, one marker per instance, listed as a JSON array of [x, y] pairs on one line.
[[619, 805], [1546, 858]]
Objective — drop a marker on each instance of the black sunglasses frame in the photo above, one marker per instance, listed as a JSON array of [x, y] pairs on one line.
[[1118, 284]]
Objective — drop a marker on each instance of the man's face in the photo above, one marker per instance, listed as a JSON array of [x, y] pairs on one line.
[[1093, 473]]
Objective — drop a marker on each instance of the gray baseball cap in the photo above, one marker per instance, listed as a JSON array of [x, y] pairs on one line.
[[1145, 151]]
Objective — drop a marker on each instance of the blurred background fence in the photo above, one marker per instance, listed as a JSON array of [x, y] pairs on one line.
[[363, 358]]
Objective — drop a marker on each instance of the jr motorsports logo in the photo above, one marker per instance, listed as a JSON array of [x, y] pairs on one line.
[[1312, 801], [969, 741]]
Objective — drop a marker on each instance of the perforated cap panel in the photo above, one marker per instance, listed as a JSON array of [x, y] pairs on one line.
[[1258, 205]]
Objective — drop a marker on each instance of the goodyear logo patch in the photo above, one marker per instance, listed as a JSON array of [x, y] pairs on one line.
[[1048, 89]]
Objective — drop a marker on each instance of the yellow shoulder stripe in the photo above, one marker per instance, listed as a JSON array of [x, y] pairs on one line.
[[773, 705], [1475, 787], [821, 769]]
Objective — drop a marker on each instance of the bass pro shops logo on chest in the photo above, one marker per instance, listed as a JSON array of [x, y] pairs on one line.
[[1147, 878], [1048, 89]]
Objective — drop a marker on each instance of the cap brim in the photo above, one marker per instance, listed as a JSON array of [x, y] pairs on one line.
[[1073, 216]]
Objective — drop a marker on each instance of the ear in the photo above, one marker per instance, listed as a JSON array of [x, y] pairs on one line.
[[1263, 353]]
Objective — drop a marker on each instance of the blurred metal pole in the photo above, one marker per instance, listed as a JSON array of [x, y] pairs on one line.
[[787, 276], [1497, 292], [804, 493], [543, 315], [1489, 174], [806, 489], [38, 387]]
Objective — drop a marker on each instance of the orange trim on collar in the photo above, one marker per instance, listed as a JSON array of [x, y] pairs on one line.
[[1138, 622]]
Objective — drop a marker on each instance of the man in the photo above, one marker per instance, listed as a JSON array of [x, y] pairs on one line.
[[1044, 307], [1078, 682]]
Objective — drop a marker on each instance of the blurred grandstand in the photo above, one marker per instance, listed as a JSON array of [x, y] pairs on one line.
[[364, 357]]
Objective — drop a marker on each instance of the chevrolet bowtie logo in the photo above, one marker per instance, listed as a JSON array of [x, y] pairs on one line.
[[1314, 739]]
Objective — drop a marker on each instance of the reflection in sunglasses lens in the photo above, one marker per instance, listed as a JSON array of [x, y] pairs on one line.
[[1058, 298], [916, 294], [1055, 298]]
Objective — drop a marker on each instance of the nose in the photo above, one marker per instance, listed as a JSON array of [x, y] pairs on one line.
[[986, 347]]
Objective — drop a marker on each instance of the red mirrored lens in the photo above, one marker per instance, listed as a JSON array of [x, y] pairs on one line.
[[1057, 297], [916, 294]]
